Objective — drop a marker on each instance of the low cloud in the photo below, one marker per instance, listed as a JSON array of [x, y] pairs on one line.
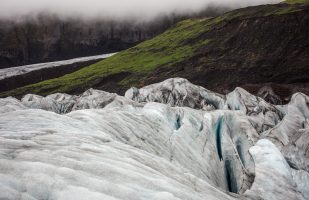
[[116, 9]]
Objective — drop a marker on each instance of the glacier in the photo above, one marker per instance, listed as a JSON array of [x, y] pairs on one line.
[[170, 140], [20, 70]]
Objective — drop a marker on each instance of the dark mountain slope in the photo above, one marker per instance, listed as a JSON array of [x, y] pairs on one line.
[[49, 38], [253, 45]]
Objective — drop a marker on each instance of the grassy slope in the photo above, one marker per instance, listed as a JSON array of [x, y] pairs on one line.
[[296, 1], [173, 46]]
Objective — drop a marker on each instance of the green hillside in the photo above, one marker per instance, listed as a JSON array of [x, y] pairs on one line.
[[181, 46], [296, 1]]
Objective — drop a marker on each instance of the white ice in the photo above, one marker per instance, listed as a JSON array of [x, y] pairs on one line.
[[14, 71], [190, 144]]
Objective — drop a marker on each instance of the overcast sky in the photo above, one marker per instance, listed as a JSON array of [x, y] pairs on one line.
[[143, 9]]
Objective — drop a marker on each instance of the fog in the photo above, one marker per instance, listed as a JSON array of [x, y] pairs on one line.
[[116, 9]]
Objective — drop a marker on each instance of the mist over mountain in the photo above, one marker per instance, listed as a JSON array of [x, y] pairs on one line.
[[138, 10]]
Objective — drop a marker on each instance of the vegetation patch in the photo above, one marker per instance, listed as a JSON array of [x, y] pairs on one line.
[[296, 1]]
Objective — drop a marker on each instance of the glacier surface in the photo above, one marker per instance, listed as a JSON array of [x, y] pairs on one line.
[[170, 140], [19, 70]]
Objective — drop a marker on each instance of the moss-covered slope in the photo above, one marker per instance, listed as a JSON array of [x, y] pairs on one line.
[[296, 1]]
